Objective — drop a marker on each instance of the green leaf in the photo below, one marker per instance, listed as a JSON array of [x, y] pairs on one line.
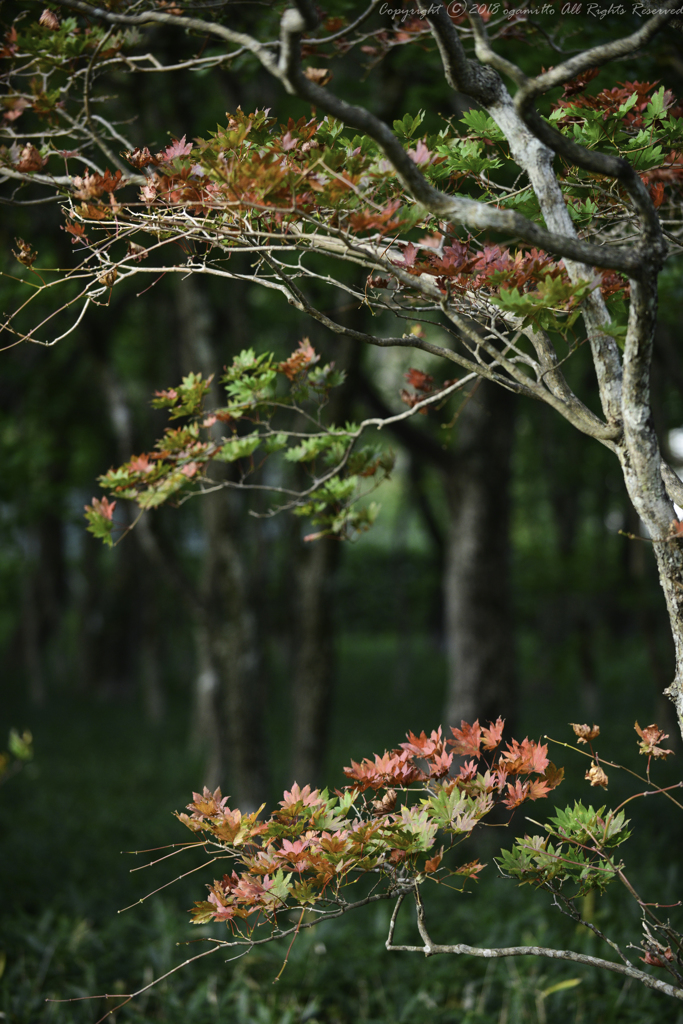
[[20, 746], [406, 128], [311, 447], [238, 448], [482, 126]]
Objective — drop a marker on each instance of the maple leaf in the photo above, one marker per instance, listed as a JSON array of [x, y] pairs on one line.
[[538, 789], [471, 869], [526, 756], [77, 230], [577, 85], [140, 464], [467, 739], [419, 380], [585, 732], [423, 745], [139, 157], [15, 107], [553, 776], [208, 803], [651, 736], [517, 794], [420, 155], [468, 771], [49, 20], [411, 400], [103, 507], [440, 765], [492, 736], [409, 253], [178, 147], [308, 797], [301, 358], [432, 864]]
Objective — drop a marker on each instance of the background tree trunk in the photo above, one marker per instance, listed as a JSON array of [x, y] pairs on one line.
[[230, 680], [479, 634], [314, 659]]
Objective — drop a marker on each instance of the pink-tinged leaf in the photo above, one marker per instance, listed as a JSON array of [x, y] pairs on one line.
[[140, 464], [467, 739], [420, 155], [423, 745], [538, 790], [308, 797], [288, 143], [177, 148], [492, 736], [468, 771], [103, 507], [526, 756], [470, 870], [517, 794], [431, 241], [440, 765], [189, 469]]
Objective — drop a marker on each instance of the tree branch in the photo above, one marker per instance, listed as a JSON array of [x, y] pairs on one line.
[[430, 948]]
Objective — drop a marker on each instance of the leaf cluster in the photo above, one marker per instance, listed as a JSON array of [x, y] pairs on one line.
[[265, 402], [385, 822]]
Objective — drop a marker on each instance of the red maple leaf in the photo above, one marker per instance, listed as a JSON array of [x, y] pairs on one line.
[[301, 358], [517, 793], [492, 736], [467, 739], [526, 756], [419, 380], [140, 464], [409, 253]]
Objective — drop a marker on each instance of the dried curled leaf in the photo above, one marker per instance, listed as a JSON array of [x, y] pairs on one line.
[[585, 733], [650, 738], [320, 76], [26, 254], [49, 20], [597, 776], [108, 277]]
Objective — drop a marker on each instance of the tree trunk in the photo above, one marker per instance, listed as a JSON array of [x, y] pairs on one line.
[[229, 627], [314, 661], [230, 683], [479, 634]]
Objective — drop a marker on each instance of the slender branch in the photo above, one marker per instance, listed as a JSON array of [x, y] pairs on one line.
[[430, 948]]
